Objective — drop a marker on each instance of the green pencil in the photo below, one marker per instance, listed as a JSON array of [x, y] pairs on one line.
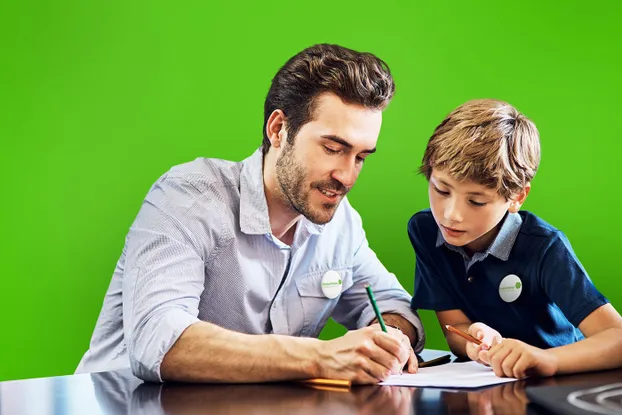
[[375, 306]]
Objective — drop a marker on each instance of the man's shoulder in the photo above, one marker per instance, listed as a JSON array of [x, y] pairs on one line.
[[202, 185], [206, 172]]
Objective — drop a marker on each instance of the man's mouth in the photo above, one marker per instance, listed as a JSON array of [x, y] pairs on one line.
[[329, 193]]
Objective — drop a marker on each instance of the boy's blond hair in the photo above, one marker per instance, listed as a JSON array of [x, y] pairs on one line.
[[487, 141]]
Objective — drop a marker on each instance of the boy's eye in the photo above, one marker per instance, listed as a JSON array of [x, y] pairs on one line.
[[441, 192], [478, 204], [360, 159]]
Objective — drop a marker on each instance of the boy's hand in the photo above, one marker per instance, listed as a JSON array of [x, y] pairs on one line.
[[516, 359], [488, 337]]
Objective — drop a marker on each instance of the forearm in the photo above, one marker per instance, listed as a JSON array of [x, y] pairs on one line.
[[457, 344], [598, 352], [208, 353]]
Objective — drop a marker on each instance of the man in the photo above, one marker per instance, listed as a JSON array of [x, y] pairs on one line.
[[231, 270]]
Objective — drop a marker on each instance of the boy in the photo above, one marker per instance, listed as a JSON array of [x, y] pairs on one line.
[[503, 275]]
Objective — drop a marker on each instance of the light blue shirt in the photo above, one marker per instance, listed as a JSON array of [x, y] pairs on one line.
[[201, 248]]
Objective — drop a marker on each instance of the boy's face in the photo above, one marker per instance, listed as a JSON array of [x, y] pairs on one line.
[[467, 213]]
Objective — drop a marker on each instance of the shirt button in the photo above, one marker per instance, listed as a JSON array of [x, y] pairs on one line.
[[470, 279]]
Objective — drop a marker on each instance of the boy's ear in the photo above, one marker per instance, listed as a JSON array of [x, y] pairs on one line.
[[519, 199]]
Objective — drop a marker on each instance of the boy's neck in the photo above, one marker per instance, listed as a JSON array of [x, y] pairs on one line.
[[482, 243]]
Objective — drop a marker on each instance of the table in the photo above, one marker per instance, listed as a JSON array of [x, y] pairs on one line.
[[111, 393]]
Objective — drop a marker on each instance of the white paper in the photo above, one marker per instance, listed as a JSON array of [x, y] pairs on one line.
[[450, 375]]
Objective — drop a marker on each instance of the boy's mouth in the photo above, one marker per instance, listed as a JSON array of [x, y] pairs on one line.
[[452, 231]]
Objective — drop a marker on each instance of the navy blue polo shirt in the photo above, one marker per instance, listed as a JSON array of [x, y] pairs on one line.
[[557, 293]]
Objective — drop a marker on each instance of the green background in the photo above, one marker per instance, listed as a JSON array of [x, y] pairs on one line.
[[98, 99]]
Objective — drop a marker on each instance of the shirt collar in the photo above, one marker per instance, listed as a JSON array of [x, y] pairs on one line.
[[254, 218], [503, 243]]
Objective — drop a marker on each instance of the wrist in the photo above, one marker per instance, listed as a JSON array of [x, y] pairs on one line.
[[313, 366]]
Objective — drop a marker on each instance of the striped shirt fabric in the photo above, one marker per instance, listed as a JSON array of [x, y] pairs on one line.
[[201, 249]]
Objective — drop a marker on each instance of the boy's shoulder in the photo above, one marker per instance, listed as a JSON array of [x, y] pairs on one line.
[[534, 226], [423, 224]]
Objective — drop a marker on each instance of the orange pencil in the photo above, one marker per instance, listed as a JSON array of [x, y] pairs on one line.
[[328, 382], [463, 334]]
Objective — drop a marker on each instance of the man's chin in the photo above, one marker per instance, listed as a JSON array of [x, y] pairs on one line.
[[323, 217]]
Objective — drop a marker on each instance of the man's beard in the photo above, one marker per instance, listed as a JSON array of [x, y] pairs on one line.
[[291, 177]]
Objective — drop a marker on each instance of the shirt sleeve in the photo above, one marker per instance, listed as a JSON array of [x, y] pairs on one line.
[[566, 282], [354, 309], [431, 291], [164, 277]]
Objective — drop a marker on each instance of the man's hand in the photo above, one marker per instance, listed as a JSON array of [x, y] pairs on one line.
[[487, 335], [411, 360], [366, 355], [516, 359]]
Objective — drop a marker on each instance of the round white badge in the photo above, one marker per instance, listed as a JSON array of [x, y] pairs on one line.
[[331, 284], [510, 288]]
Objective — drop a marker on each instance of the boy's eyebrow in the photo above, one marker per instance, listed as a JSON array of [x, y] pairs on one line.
[[346, 144], [451, 187]]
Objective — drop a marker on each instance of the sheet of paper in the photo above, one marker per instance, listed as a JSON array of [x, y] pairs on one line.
[[450, 375]]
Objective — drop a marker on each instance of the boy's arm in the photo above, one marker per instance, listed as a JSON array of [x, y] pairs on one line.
[[458, 345], [598, 351], [601, 347], [459, 320]]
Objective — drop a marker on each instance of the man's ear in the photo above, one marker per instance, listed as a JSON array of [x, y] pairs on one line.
[[276, 128], [519, 199]]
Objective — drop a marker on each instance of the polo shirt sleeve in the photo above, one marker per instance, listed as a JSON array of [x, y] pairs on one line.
[[566, 282], [431, 290]]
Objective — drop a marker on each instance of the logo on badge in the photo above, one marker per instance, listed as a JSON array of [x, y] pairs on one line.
[[510, 288], [331, 284]]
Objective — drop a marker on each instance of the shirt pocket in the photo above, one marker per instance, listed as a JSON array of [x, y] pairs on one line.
[[316, 307]]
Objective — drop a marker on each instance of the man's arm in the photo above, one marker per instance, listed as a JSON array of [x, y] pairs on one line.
[[208, 353]]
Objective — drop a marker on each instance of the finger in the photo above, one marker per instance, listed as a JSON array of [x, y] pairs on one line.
[[407, 350], [483, 357], [377, 371], [413, 363], [364, 378], [495, 347], [508, 363], [472, 350], [378, 354], [390, 344], [496, 359], [521, 366]]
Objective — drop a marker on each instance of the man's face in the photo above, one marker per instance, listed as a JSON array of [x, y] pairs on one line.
[[320, 168], [466, 212]]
